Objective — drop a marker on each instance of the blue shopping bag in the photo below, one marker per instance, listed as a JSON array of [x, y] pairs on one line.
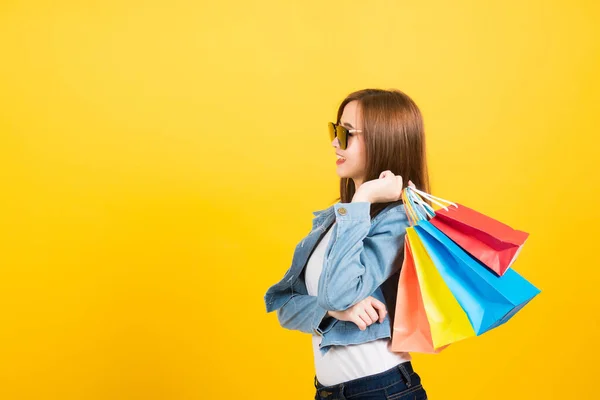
[[488, 300]]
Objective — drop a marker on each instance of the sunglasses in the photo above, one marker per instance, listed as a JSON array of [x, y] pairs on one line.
[[336, 130]]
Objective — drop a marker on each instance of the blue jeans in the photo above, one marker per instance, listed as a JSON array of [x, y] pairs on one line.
[[398, 383]]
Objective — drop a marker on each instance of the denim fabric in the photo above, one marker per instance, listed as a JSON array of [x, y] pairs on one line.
[[398, 383], [361, 255]]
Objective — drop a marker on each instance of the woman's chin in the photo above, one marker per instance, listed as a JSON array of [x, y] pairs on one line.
[[342, 171]]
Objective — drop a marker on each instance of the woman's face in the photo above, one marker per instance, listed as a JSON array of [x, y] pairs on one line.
[[354, 164]]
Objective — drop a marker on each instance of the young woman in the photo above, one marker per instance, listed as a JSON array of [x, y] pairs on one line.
[[342, 283]]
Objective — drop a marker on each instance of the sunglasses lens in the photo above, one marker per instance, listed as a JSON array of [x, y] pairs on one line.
[[331, 131], [342, 135], [338, 131]]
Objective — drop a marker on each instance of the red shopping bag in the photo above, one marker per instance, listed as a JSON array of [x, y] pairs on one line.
[[495, 244], [411, 331]]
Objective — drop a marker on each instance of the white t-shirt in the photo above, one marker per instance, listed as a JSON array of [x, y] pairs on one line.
[[344, 363]]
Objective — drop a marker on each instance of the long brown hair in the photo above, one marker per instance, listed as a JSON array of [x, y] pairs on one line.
[[394, 140]]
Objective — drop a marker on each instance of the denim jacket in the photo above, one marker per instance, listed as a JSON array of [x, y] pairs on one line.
[[361, 255]]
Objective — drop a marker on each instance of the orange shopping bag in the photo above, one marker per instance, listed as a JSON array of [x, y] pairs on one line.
[[411, 331]]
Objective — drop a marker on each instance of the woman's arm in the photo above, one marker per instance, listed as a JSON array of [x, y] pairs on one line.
[[302, 312], [360, 261]]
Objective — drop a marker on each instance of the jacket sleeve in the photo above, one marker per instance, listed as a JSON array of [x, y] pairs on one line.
[[363, 254], [302, 312]]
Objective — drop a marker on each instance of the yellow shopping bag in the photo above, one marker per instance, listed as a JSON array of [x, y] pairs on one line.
[[448, 321]]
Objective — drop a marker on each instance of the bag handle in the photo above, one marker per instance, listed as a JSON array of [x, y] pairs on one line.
[[432, 197], [413, 218], [429, 211], [416, 209]]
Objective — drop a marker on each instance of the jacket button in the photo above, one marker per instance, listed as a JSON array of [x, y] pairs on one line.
[[342, 211]]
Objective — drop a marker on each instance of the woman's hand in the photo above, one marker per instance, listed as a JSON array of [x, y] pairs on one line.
[[362, 313], [387, 188]]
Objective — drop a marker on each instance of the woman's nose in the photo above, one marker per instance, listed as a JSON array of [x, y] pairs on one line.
[[335, 143]]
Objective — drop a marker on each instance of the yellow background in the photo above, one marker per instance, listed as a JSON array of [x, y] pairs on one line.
[[160, 160]]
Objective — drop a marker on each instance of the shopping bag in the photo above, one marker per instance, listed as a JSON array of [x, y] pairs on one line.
[[487, 299], [411, 331], [447, 320], [492, 242]]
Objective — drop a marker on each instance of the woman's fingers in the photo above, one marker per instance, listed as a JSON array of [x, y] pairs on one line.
[[365, 317], [399, 180], [362, 325], [366, 313], [372, 313], [380, 307], [385, 174], [399, 186]]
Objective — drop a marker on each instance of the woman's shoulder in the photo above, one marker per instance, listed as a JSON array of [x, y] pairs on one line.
[[393, 213], [392, 209]]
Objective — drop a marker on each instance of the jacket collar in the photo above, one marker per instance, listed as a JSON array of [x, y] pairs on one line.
[[321, 214], [324, 212]]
